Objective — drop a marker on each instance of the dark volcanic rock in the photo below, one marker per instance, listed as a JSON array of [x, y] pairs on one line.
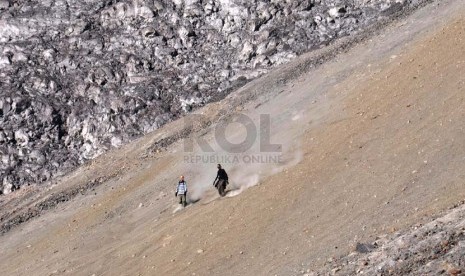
[[364, 247], [80, 77]]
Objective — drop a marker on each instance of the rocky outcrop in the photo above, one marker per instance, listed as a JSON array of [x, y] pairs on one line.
[[436, 248], [81, 77]]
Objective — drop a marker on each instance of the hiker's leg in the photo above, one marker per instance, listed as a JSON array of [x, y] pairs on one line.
[[221, 187], [184, 200], [180, 199]]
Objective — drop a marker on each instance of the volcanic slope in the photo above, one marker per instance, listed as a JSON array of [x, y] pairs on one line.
[[373, 142]]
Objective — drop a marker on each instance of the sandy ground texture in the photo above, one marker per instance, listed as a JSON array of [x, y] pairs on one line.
[[372, 143]]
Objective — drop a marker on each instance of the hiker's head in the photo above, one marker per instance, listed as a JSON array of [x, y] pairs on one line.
[[219, 166], [181, 178]]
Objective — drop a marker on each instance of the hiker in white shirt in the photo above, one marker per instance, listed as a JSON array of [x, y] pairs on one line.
[[181, 191]]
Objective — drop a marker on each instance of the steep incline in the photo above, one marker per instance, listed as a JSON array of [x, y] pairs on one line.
[[373, 143]]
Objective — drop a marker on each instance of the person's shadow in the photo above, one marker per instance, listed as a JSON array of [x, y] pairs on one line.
[[192, 201]]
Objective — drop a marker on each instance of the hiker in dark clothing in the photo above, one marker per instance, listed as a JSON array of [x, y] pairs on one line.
[[181, 191], [221, 180]]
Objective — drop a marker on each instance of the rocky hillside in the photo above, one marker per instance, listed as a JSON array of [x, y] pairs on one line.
[[377, 132], [80, 77], [436, 248]]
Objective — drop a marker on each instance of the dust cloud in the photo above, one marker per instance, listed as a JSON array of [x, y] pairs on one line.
[[247, 168]]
